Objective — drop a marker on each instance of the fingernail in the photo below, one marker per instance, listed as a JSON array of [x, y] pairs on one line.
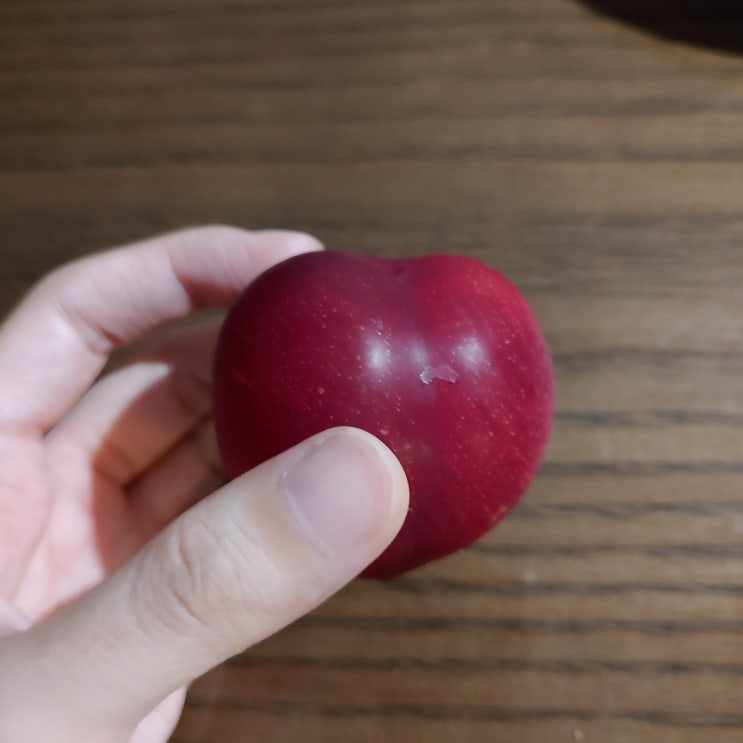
[[294, 242], [339, 492]]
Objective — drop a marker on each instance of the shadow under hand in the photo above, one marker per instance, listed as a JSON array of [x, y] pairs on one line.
[[711, 23], [161, 436]]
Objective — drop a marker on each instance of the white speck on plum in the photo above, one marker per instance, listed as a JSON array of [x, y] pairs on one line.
[[443, 372]]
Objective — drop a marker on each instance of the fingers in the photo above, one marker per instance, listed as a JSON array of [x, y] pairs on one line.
[[136, 414], [59, 338], [183, 477], [237, 567]]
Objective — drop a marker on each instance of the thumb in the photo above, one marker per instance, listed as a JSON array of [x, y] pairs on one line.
[[238, 566]]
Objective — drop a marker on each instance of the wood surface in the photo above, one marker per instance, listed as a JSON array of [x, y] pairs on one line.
[[601, 168]]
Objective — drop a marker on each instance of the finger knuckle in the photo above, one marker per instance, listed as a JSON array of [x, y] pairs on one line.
[[214, 579]]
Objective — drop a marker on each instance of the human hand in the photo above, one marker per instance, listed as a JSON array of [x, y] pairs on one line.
[[120, 581]]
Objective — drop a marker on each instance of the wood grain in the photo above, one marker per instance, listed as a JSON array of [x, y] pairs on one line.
[[602, 170]]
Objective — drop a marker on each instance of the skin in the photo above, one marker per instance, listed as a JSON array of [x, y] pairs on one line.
[[127, 567]]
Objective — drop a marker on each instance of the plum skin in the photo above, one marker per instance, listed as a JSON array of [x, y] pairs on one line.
[[439, 356]]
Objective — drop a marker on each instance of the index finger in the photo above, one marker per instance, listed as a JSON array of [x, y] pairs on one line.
[[59, 338]]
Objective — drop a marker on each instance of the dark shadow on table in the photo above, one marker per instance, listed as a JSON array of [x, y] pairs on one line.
[[711, 23]]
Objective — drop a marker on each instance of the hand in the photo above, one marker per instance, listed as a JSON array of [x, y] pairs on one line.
[[120, 581]]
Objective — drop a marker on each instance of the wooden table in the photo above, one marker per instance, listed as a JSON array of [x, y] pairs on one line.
[[602, 169]]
